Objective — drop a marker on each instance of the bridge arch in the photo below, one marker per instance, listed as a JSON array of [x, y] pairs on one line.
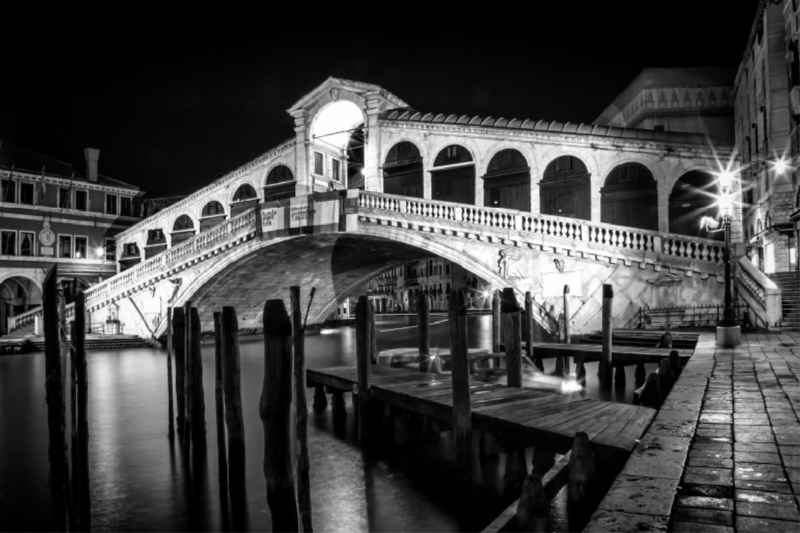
[[566, 188], [507, 181], [629, 197], [692, 196], [403, 170], [453, 175], [279, 179]]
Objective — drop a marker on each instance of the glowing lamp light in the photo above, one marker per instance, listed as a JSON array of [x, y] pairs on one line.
[[725, 178], [485, 294], [780, 166], [725, 202], [100, 251], [571, 384]]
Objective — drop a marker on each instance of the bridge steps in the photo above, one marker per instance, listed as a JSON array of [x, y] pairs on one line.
[[789, 282]]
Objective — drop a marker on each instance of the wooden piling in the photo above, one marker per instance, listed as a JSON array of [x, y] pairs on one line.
[[581, 477], [665, 377], [320, 400], [179, 344], [619, 378], [512, 334], [530, 325], [365, 320], [171, 408], [665, 341], [275, 411], [198, 395], [495, 321], [84, 506], [533, 509], [338, 408], [54, 398], [219, 405], [462, 410], [516, 469], [188, 374], [301, 409], [74, 513], [234, 421], [650, 393], [675, 364], [423, 331], [604, 369], [640, 375], [542, 460], [566, 314]]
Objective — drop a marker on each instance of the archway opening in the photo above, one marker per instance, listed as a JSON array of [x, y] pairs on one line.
[[244, 198], [402, 171], [335, 138], [355, 159], [18, 294], [565, 189], [507, 182], [693, 196], [213, 213], [453, 176], [182, 229], [629, 197], [280, 184]]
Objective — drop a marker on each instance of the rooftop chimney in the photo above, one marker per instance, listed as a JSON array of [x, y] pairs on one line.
[[92, 155]]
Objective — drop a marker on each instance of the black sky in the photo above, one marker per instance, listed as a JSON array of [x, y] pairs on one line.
[[174, 100]]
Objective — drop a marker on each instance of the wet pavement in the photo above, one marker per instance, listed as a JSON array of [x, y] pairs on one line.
[[723, 454]]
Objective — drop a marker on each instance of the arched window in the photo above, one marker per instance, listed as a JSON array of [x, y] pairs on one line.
[[565, 189], [453, 175], [629, 197], [693, 196], [183, 223], [402, 171], [280, 184], [213, 209], [507, 182], [244, 192]]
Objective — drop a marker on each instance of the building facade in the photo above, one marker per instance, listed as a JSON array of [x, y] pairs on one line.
[[55, 213], [766, 128]]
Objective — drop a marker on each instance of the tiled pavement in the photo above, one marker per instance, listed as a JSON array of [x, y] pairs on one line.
[[723, 453]]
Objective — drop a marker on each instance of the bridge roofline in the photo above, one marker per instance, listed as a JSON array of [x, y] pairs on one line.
[[205, 189], [556, 130], [345, 85]]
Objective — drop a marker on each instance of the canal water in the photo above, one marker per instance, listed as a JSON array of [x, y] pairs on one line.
[[140, 483]]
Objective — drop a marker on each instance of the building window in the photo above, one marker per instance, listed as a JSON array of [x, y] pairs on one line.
[[9, 242], [82, 200], [125, 206], [319, 164], [26, 193], [26, 243], [335, 169], [212, 209], [563, 164], [130, 249], [65, 246], [111, 204], [10, 191], [81, 246], [64, 198], [111, 249]]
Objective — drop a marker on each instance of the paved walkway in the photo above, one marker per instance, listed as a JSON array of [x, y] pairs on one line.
[[723, 453]]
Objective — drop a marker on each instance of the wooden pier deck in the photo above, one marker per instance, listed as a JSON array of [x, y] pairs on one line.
[[525, 416], [626, 355]]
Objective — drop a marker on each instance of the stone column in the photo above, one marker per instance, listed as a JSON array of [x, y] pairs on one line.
[[595, 182], [305, 183], [372, 148], [427, 183]]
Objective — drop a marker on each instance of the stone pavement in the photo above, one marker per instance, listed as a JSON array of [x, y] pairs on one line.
[[723, 453]]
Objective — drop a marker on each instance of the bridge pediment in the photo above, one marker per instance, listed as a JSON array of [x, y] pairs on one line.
[[334, 89]]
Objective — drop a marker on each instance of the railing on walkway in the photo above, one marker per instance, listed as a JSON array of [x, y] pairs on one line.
[[690, 317], [760, 293], [24, 319], [606, 235]]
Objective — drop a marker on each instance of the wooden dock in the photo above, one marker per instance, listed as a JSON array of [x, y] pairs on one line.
[[626, 355], [527, 417]]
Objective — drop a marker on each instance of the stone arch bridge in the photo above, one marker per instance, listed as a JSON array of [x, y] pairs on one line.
[[338, 241]]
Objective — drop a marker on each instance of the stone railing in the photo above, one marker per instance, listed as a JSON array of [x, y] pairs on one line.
[[761, 294], [225, 234], [24, 319], [599, 234]]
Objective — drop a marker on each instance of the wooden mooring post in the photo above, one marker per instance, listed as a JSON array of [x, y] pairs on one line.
[[188, 375], [495, 321], [198, 405], [566, 315], [233, 401], [179, 344], [219, 408], [462, 410], [530, 325], [365, 322], [275, 410], [301, 409], [512, 334], [80, 468], [171, 408], [604, 368], [54, 397], [619, 378], [581, 479], [423, 331]]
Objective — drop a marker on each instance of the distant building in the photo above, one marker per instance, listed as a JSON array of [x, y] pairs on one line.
[[767, 104], [53, 212]]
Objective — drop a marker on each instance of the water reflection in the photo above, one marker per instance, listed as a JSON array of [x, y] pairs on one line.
[[140, 480]]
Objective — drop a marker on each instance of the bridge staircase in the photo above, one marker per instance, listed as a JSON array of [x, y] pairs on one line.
[[789, 283]]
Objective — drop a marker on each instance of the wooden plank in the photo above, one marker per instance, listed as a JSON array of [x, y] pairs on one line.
[[634, 429], [612, 430], [570, 427]]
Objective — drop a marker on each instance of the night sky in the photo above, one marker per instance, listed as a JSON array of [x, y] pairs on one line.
[[175, 100]]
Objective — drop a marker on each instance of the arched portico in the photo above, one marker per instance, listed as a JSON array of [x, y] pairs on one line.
[[629, 197], [565, 189], [693, 196], [507, 182], [402, 170], [453, 175]]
